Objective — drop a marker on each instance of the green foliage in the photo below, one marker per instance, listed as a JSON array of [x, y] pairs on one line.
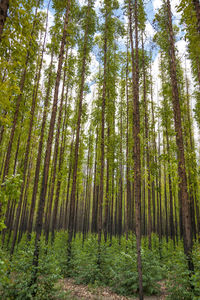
[[86, 269], [16, 282], [124, 271], [10, 189], [4, 268], [111, 265], [196, 275], [181, 284]]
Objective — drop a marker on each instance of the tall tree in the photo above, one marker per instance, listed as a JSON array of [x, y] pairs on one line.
[[136, 134], [45, 175], [88, 27]]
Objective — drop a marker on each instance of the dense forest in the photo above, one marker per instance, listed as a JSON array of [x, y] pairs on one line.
[[99, 148]]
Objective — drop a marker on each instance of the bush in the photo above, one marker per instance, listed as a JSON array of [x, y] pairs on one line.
[[17, 284], [181, 283]]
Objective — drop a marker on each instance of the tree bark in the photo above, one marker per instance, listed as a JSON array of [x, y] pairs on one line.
[[101, 193], [146, 119], [197, 11], [39, 155], [187, 231], [57, 142], [18, 102], [77, 139], [40, 211], [28, 143], [136, 132], [4, 5]]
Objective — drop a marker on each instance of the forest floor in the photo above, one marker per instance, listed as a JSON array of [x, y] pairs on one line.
[[79, 291]]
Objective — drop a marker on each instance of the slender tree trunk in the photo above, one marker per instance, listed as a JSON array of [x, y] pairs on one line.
[[28, 143], [55, 160], [112, 206], [95, 191], [80, 104], [160, 231], [192, 166], [155, 160], [17, 108], [60, 164], [107, 189], [128, 185], [187, 236], [147, 146], [18, 101], [68, 182], [171, 217], [136, 131], [14, 172], [39, 155], [121, 174], [40, 211], [101, 193], [24, 209], [87, 193], [165, 193], [11, 221]]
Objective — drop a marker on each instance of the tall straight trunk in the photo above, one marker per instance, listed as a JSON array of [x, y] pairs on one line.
[[8, 222], [176, 222], [18, 102], [69, 181], [87, 194], [111, 218], [40, 211], [147, 146], [116, 209], [14, 172], [128, 185], [95, 191], [40, 147], [24, 208], [4, 5], [165, 194], [60, 164], [155, 158], [17, 151], [28, 143], [136, 149], [187, 231], [171, 217], [56, 150], [11, 221], [192, 164], [107, 189], [160, 231], [48, 205], [121, 175], [112, 206], [77, 139], [101, 192]]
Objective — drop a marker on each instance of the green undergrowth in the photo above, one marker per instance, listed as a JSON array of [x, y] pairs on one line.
[[16, 282], [112, 264]]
